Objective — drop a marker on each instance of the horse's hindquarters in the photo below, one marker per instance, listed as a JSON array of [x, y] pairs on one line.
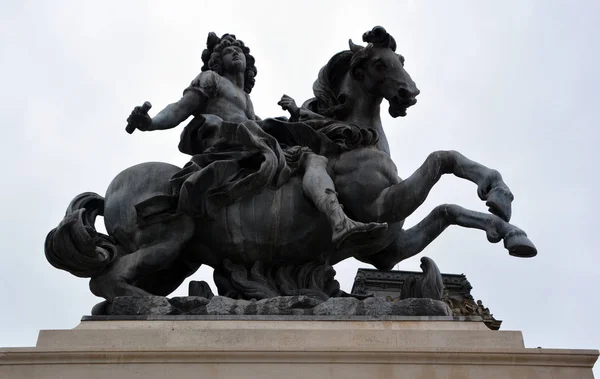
[[274, 226], [129, 188]]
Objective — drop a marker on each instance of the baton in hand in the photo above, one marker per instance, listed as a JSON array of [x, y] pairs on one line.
[[130, 128]]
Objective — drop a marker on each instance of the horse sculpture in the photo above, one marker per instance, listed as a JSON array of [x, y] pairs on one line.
[[276, 242]]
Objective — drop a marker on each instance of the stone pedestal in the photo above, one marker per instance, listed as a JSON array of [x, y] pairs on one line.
[[289, 347]]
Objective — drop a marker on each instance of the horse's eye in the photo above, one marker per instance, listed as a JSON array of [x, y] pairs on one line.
[[380, 66]]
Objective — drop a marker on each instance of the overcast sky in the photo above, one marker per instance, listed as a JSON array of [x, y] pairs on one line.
[[511, 85]]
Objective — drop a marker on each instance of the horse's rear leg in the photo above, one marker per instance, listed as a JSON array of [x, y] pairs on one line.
[[400, 200], [412, 241], [163, 245]]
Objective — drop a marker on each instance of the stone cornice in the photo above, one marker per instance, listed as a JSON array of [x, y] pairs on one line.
[[512, 357]]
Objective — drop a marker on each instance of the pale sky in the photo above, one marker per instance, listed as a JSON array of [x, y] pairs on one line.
[[510, 84]]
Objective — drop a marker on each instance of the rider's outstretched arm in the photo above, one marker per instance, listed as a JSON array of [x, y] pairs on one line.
[[176, 113]]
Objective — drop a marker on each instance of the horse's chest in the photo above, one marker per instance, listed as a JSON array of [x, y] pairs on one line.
[[363, 174]]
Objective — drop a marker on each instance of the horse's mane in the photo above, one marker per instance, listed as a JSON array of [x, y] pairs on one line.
[[328, 100]]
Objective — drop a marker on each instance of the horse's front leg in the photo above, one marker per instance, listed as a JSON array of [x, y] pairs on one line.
[[400, 200], [412, 241]]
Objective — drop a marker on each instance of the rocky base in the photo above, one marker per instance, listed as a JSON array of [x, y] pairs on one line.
[[282, 305]]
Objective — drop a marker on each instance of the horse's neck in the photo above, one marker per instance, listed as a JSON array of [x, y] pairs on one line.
[[365, 110]]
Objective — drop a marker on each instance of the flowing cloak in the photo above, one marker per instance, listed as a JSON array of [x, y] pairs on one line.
[[235, 160]]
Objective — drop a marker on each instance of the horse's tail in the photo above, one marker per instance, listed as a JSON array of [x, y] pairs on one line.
[[75, 245]]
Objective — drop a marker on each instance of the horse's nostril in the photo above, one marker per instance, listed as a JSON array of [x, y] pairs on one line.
[[406, 93]]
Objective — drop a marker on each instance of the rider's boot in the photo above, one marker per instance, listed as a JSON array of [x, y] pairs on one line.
[[345, 230]]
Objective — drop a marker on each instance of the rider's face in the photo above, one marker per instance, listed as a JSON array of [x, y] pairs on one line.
[[233, 59]]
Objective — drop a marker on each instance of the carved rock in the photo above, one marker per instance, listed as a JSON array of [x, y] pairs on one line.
[[146, 305], [277, 306], [337, 306], [377, 306], [286, 305], [220, 305]]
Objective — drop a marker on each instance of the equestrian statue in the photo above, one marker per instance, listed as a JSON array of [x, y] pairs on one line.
[[272, 204]]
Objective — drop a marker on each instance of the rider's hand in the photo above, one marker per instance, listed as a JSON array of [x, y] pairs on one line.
[[139, 119], [288, 104]]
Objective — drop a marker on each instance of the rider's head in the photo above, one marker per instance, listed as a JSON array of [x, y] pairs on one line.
[[228, 53]]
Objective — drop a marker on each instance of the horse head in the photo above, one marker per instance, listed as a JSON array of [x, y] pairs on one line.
[[381, 71]]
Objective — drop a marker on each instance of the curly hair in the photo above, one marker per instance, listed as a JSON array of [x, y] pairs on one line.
[[211, 57]]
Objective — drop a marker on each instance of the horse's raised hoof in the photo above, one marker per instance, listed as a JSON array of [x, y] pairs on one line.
[[357, 233], [499, 201], [518, 245]]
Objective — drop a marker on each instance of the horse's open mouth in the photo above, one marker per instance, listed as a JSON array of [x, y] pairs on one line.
[[399, 105]]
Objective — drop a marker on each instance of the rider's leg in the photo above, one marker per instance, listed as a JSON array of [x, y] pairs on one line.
[[319, 187]]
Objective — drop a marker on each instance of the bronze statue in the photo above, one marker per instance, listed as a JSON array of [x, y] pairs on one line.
[[241, 206]]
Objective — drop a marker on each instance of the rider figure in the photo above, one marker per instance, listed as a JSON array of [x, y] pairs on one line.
[[222, 89]]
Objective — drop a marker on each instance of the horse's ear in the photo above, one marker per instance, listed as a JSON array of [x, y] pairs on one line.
[[354, 47]]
